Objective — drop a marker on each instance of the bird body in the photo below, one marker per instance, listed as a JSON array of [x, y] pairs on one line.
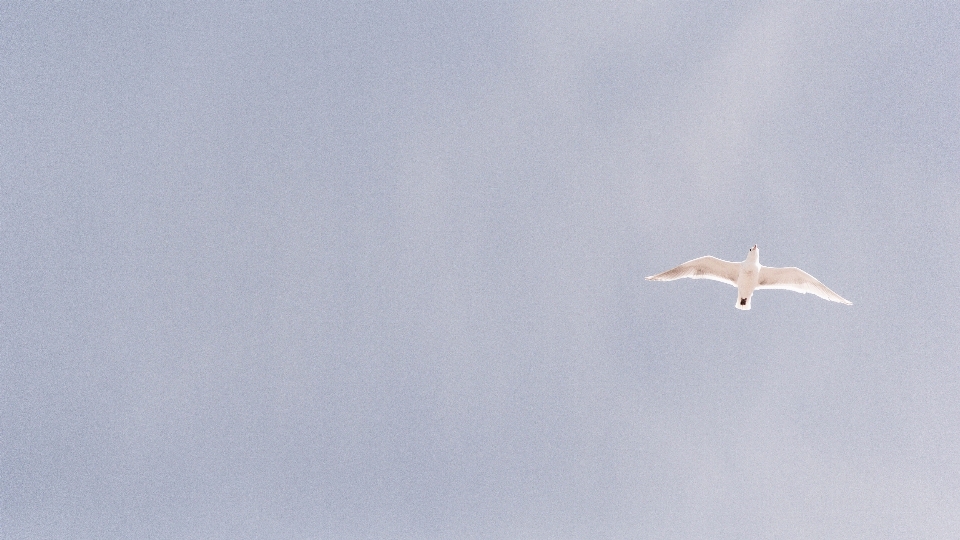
[[748, 278], [750, 275]]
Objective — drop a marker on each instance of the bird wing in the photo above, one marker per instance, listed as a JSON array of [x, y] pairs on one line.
[[795, 279], [703, 268]]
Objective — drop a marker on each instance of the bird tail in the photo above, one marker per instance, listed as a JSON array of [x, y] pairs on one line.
[[744, 303]]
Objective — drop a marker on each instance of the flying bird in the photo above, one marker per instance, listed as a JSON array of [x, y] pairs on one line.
[[749, 276]]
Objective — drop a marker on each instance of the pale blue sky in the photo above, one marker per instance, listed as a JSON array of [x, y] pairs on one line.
[[375, 270]]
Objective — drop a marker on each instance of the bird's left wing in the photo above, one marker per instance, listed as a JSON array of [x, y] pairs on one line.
[[796, 280], [703, 268]]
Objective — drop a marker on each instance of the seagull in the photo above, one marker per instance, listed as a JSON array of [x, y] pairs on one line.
[[749, 276]]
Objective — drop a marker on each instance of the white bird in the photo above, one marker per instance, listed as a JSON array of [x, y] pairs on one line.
[[749, 276]]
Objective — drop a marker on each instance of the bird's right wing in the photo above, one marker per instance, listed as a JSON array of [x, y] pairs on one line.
[[796, 280], [703, 268]]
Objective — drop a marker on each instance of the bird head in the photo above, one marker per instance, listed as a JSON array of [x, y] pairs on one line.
[[754, 252]]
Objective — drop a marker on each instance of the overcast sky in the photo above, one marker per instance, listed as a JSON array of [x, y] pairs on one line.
[[374, 269]]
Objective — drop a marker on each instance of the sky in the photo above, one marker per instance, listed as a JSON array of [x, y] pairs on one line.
[[364, 269]]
